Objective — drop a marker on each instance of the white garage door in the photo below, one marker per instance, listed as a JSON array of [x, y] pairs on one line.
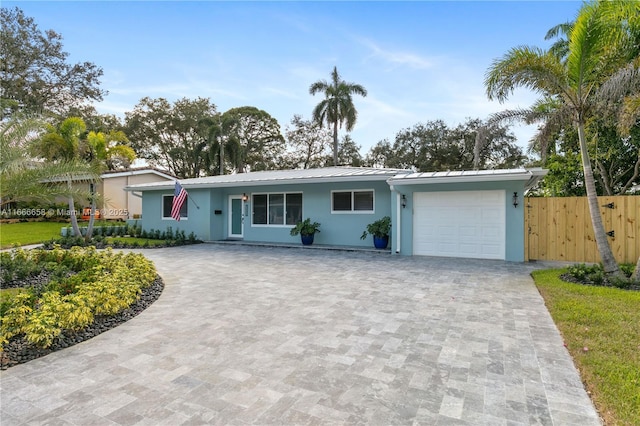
[[459, 224]]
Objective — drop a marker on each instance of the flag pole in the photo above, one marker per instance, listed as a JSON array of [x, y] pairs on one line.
[[194, 203]]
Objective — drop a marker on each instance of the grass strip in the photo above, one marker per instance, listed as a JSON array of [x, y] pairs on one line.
[[601, 328], [133, 240], [25, 233]]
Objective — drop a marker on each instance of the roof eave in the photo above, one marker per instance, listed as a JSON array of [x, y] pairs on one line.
[[531, 177], [295, 181]]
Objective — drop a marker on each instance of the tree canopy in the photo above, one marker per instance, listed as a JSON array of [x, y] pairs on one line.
[[36, 77], [308, 143], [433, 146], [254, 140], [172, 136]]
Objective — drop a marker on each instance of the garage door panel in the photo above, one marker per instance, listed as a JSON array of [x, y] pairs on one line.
[[460, 224], [468, 232]]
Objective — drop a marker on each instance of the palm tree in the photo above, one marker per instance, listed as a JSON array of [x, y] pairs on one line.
[[337, 106], [64, 145], [574, 82], [24, 179], [217, 130], [105, 151]]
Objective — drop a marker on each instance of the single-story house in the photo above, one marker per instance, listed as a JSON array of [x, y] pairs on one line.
[[469, 214]]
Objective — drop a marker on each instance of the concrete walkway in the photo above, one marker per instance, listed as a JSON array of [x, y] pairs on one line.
[[256, 335]]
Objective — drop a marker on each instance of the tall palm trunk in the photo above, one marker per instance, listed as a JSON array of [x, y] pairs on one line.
[[221, 156], [92, 216], [606, 255], [72, 212], [335, 143]]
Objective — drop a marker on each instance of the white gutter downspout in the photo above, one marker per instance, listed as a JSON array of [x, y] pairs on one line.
[[399, 220], [398, 230]]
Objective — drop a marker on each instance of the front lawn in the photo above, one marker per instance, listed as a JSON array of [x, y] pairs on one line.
[[25, 233], [601, 329]]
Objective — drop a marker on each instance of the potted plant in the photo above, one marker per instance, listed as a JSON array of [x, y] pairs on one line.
[[307, 230], [380, 229]]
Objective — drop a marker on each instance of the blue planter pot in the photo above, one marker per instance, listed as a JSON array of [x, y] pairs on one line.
[[381, 242], [307, 240]]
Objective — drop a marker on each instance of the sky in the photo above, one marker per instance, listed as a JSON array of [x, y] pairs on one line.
[[418, 60]]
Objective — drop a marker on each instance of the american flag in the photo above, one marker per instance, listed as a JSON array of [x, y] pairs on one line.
[[179, 197]]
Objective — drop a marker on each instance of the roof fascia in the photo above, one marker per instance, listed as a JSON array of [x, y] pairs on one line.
[[460, 179], [135, 173], [287, 181]]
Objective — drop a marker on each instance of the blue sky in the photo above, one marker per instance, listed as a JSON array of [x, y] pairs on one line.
[[419, 60]]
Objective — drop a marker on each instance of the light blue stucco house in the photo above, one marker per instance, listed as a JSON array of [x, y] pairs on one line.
[[469, 214]]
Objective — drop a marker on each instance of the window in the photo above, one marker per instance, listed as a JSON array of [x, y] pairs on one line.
[[276, 209], [167, 202], [352, 201]]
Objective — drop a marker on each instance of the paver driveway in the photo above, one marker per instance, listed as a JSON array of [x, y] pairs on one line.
[[291, 336]]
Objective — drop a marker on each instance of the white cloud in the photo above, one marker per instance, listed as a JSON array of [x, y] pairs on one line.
[[397, 57]]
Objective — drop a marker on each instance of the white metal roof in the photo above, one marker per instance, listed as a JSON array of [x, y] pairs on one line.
[[136, 171], [531, 176], [345, 174], [270, 177]]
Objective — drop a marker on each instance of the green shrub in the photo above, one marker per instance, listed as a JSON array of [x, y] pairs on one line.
[[627, 269], [168, 234], [594, 274], [104, 284], [18, 265]]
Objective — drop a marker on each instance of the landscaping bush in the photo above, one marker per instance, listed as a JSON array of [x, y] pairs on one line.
[[86, 283], [122, 237], [594, 275]]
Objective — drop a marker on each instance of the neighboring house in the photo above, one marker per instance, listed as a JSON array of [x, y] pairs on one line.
[[468, 214], [116, 203], [121, 204]]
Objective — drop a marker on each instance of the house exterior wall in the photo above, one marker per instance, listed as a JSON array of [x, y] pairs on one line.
[[336, 228], [115, 204], [514, 232], [199, 213], [84, 186], [121, 204]]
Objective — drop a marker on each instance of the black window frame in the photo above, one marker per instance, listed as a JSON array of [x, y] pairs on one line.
[[166, 208], [353, 204], [269, 212]]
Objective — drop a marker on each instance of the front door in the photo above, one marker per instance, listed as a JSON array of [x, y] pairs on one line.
[[236, 216]]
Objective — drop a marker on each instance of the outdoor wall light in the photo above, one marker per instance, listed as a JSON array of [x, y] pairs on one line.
[[404, 201], [515, 199], [245, 197]]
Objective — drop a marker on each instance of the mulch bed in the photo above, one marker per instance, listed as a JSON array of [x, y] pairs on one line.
[[19, 350]]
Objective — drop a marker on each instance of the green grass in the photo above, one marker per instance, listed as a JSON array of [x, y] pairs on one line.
[[601, 328], [24, 233], [131, 240]]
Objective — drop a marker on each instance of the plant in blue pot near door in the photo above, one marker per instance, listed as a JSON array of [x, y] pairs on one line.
[[380, 229], [307, 230]]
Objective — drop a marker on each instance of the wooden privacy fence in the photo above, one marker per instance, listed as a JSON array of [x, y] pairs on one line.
[[560, 228]]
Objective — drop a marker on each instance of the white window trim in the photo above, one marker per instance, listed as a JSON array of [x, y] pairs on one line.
[[372, 211], [163, 217], [275, 225]]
